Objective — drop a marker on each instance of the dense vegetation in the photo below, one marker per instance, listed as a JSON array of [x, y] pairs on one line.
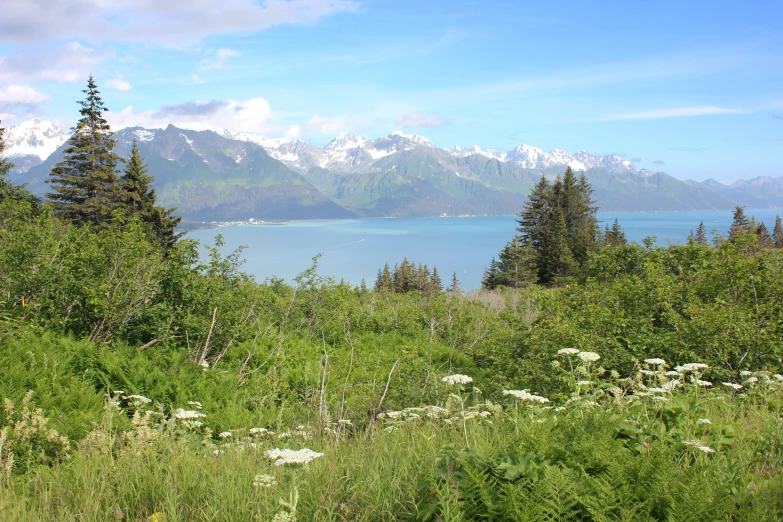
[[150, 380]]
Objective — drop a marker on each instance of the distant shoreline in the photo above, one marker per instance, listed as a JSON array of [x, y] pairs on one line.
[[205, 225]]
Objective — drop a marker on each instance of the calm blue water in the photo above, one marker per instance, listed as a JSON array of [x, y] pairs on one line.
[[356, 249]]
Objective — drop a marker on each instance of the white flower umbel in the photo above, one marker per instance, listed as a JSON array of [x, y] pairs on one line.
[[691, 367], [524, 395], [457, 379], [733, 385], [264, 481], [224, 434], [583, 383], [181, 414], [567, 351], [196, 404], [289, 456], [705, 449], [655, 362], [137, 399], [588, 356], [703, 421]]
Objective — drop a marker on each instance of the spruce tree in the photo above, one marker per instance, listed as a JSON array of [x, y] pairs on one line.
[[516, 265], [558, 261], [363, 286], [615, 236], [701, 235], [740, 223], [765, 239], [435, 282], [777, 233], [531, 218], [491, 277], [454, 288], [138, 197], [384, 282], [84, 184]]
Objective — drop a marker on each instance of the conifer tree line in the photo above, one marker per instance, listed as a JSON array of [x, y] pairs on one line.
[[407, 277], [556, 231], [86, 188], [9, 190], [741, 225]]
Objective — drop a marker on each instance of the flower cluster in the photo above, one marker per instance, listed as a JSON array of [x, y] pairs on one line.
[[264, 481], [524, 395], [289, 456], [457, 379]]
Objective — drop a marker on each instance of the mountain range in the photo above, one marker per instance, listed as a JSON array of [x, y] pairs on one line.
[[226, 176]]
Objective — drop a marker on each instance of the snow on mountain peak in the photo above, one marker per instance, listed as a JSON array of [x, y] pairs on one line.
[[345, 141], [35, 137], [258, 139]]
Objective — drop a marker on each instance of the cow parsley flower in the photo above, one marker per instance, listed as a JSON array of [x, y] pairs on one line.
[[691, 367], [567, 351], [264, 481], [655, 362], [703, 421], [457, 379], [702, 383], [751, 380], [588, 356], [524, 395], [705, 449], [289, 456], [196, 404], [672, 373], [181, 414], [138, 399], [258, 431], [224, 434], [733, 385], [583, 383]]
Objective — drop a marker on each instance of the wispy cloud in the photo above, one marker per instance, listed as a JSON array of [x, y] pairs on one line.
[[659, 162], [18, 100], [326, 125], [420, 121], [670, 113], [218, 60], [174, 23], [119, 83]]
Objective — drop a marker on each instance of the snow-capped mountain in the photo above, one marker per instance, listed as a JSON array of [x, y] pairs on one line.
[[36, 137]]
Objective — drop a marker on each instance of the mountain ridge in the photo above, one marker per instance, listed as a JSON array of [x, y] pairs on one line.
[[229, 176]]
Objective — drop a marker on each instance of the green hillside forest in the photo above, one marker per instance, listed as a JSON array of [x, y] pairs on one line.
[[591, 379]]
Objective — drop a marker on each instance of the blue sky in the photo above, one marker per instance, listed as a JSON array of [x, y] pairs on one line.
[[694, 89]]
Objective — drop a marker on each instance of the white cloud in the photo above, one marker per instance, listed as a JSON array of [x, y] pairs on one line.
[[252, 115], [419, 120], [671, 113], [68, 63], [325, 125], [219, 60], [22, 94], [119, 83], [175, 23], [196, 79]]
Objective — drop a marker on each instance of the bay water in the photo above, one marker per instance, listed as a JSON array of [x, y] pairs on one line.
[[355, 249]]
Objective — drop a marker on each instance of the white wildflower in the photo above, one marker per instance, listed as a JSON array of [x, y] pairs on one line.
[[702, 383], [658, 390], [691, 367], [733, 385], [187, 414], [745, 373], [288, 456], [264, 481], [648, 372], [137, 400], [703, 421], [655, 362], [777, 377], [567, 351], [283, 516], [672, 373], [524, 395], [658, 398], [583, 383], [345, 422], [204, 364], [705, 449], [224, 434], [196, 404], [751, 380], [457, 379], [119, 392], [588, 356], [258, 431]]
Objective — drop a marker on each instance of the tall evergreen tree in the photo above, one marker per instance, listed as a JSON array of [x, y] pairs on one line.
[[138, 197], [701, 235], [435, 282], [615, 236], [777, 233], [516, 265], [557, 260], [454, 288], [765, 239], [531, 218], [84, 184], [9, 190], [384, 281], [740, 223]]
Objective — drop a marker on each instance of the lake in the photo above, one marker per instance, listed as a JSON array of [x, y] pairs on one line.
[[356, 249]]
